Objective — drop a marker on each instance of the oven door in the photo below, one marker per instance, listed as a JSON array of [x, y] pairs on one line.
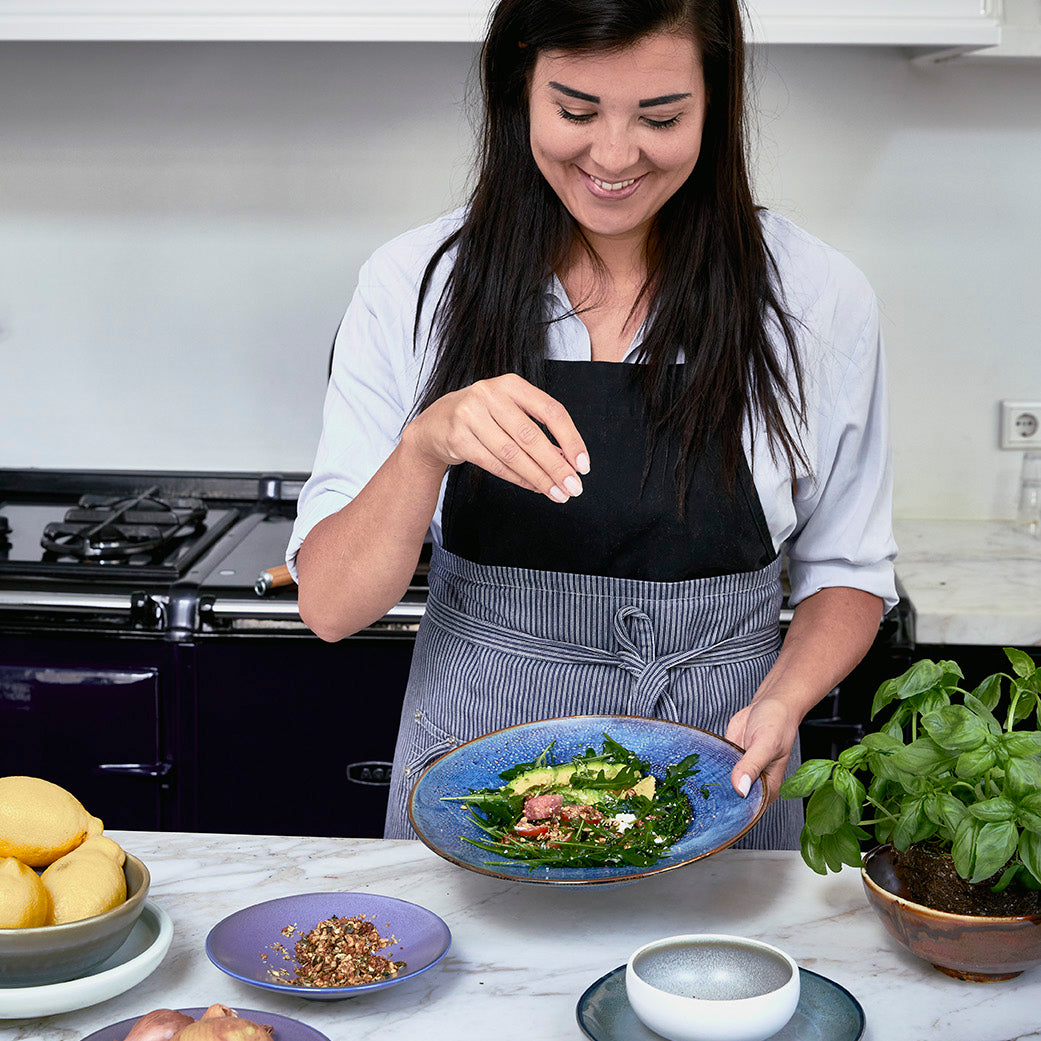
[[87, 715], [294, 736]]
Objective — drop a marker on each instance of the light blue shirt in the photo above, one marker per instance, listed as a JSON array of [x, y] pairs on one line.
[[834, 521]]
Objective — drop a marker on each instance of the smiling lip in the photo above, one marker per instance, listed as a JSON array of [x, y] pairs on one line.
[[612, 189]]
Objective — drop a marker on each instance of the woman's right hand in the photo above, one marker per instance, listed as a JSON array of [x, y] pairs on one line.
[[497, 424]]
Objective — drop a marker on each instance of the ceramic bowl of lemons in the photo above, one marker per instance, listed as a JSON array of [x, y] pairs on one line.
[[54, 953]]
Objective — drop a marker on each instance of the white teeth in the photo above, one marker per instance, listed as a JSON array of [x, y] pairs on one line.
[[613, 187]]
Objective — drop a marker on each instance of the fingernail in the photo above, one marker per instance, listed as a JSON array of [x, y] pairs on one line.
[[573, 485], [582, 463], [744, 785], [557, 494]]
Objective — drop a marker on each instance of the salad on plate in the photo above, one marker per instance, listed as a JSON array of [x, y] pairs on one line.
[[599, 808]]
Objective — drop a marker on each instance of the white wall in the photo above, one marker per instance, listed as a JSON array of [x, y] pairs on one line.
[[181, 226]]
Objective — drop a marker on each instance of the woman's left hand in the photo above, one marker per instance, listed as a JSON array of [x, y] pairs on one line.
[[829, 633], [766, 729]]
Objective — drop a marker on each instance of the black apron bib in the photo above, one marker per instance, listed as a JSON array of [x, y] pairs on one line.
[[624, 524]]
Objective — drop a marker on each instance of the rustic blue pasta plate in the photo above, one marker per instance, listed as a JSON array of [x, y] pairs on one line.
[[719, 820]]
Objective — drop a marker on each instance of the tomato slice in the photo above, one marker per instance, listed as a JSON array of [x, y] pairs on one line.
[[531, 831]]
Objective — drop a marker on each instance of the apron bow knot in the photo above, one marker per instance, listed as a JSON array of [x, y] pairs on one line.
[[637, 654]]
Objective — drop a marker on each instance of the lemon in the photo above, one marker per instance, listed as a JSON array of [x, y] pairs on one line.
[[86, 882], [24, 900], [41, 821]]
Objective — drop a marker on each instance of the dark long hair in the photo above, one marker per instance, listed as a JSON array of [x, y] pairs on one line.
[[711, 289]]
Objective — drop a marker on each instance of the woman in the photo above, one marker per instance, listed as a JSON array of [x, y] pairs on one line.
[[641, 389]]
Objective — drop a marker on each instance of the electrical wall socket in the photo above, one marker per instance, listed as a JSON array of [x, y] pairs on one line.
[[1020, 424]]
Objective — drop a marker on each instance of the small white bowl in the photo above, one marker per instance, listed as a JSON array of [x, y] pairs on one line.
[[705, 987]]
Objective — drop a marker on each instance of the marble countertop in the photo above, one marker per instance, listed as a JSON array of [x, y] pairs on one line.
[[522, 955], [971, 582]]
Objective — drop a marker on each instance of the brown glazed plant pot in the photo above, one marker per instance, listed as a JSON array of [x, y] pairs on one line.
[[967, 947]]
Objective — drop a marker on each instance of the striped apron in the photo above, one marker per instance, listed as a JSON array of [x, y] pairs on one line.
[[502, 644]]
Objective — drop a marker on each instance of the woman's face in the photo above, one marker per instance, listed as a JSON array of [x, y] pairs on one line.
[[615, 134]]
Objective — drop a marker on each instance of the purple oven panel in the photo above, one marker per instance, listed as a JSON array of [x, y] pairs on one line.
[[88, 715]]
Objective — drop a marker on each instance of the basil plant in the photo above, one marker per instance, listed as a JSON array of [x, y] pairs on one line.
[[942, 768]]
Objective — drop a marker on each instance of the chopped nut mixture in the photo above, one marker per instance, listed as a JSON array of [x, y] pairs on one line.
[[337, 952]]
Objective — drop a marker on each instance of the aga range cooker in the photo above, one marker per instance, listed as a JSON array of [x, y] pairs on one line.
[[146, 665], [141, 668]]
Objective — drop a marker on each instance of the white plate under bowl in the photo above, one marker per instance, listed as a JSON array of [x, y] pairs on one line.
[[138, 958]]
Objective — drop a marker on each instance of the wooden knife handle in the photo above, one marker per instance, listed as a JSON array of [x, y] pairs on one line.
[[272, 578]]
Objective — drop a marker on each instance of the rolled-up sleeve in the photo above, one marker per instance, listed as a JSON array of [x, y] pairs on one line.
[[844, 531]]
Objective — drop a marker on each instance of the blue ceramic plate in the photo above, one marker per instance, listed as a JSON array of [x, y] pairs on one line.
[[826, 1012], [285, 1029], [719, 821], [247, 944]]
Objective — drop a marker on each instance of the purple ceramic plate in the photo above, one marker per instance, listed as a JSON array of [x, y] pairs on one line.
[[285, 1029], [238, 944]]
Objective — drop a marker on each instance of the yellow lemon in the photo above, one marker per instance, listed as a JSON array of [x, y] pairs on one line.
[[86, 882], [41, 821], [24, 900]]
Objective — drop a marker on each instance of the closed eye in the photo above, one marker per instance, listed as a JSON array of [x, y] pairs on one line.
[[585, 117], [662, 124], [575, 117]]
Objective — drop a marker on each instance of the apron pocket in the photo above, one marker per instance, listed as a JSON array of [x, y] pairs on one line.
[[426, 742]]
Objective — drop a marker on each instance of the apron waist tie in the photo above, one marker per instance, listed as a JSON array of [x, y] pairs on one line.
[[635, 653]]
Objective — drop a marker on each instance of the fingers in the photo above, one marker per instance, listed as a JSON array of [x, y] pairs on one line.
[[743, 776], [766, 749], [501, 425]]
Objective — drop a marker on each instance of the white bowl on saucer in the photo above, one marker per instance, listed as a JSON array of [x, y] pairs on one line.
[[707, 987]]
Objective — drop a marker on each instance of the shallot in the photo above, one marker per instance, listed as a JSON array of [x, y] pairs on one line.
[[224, 1028], [159, 1025]]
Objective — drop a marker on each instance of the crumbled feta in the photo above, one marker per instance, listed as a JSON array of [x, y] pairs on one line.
[[624, 821]]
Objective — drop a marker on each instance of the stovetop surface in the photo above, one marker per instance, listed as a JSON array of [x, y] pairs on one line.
[[22, 552], [233, 506]]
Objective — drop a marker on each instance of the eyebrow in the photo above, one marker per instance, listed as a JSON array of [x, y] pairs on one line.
[[665, 99]]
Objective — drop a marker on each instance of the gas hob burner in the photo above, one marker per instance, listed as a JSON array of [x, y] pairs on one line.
[[109, 529]]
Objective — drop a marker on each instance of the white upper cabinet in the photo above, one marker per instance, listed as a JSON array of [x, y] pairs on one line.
[[900, 22], [917, 23]]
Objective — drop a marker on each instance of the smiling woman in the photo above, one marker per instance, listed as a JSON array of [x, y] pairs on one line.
[[612, 153], [612, 390]]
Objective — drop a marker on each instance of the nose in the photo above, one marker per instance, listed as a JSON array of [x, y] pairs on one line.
[[613, 148]]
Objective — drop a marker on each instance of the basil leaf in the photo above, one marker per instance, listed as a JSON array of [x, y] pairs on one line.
[[1020, 743], [955, 728], [1029, 814], [885, 695], [975, 763], [826, 811], [944, 809], [963, 849], [810, 847], [851, 790], [853, 757], [1022, 777], [982, 713], [808, 778], [1030, 853], [913, 824], [881, 742], [1022, 663], [842, 847], [994, 845], [997, 809], [988, 693], [923, 756]]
